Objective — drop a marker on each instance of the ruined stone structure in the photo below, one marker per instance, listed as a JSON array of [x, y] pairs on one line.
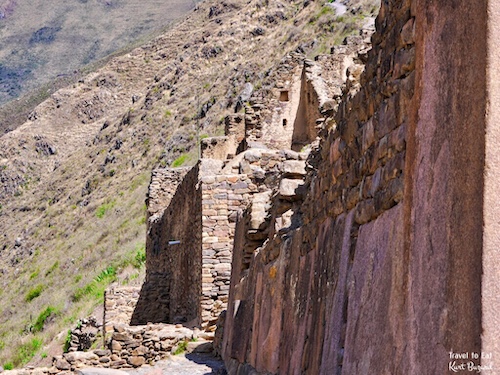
[[375, 249], [394, 266], [193, 213]]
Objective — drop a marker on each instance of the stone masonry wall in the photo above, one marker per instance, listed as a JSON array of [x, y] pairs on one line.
[[304, 124], [172, 289], [119, 304], [163, 185], [331, 300], [223, 196], [383, 275]]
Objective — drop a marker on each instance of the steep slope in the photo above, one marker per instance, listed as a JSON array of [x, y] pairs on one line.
[[74, 176], [44, 39]]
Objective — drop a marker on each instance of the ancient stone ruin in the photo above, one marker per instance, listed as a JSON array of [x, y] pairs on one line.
[[349, 223], [372, 251], [258, 167]]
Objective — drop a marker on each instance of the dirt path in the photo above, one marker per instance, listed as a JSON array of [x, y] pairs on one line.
[[189, 364]]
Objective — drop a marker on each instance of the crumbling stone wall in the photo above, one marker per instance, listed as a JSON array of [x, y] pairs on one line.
[[119, 304], [163, 185], [304, 125], [172, 289]]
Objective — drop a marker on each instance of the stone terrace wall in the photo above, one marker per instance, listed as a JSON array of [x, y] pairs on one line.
[[172, 289]]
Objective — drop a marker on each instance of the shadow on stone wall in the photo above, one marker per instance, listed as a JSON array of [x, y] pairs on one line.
[[172, 289]]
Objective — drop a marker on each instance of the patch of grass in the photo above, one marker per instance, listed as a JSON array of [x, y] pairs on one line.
[[140, 257], [43, 317], [27, 351], [181, 348], [95, 289], [67, 342], [34, 292], [35, 274], [179, 161], [8, 366], [52, 268], [104, 208]]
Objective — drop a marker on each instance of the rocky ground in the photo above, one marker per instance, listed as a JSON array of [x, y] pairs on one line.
[[185, 364]]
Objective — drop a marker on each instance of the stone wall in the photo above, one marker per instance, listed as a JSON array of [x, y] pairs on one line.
[[223, 196], [163, 185], [304, 124], [382, 274], [119, 304], [172, 289], [347, 229]]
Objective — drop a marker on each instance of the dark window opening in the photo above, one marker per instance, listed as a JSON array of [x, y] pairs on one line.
[[284, 96]]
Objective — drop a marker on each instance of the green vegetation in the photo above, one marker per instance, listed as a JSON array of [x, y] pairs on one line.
[[35, 274], [67, 342], [181, 348], [34, 292], [179, 161], [140, 257], [8, 366], [52, 268], [95, 289], [104, 208], [26, 352], [43, 317]]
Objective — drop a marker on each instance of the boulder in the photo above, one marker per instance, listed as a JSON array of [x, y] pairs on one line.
[[80, 357], [294, 168], [136, 361], [62, 364]]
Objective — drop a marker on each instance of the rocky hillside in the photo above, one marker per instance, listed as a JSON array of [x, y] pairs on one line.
[[74, 175], [44, 39]]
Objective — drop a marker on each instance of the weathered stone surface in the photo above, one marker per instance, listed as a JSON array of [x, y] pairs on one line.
[[80, 356], [294, 168], [62, 364], [199, 347], [136, 361], [290, 189]]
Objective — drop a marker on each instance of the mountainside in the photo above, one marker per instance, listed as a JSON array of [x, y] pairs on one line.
[[42, 40], [74, 176]]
